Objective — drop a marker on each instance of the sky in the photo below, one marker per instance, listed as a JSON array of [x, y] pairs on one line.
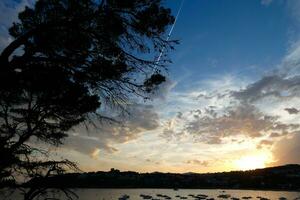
[[231, 100]]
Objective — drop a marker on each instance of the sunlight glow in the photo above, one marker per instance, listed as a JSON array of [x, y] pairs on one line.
[[251, 162]]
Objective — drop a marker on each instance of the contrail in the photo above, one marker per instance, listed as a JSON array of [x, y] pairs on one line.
[[170, 32]]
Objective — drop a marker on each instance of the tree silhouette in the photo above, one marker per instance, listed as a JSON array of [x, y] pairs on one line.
[[68, 59]]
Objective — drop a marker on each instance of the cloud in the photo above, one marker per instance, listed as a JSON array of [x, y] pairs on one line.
[[198, 162], [179, 115], [265, 143], [280, 84], [104, 136], [286, 151], [292, 110], [87, 145], [215, 94], [212, 126], [171, 134], [243, 120], [95, 153], [163, 90], [274, 134], [270, 86], [293, 7], [266, 2], [255, 113]]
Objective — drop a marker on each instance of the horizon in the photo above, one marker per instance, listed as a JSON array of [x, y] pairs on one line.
[[247, 170], [230, 101]]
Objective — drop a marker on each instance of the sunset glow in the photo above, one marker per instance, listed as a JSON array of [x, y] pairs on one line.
[[251, 162]]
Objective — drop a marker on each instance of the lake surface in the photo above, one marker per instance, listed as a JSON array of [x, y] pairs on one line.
[[189, 194]]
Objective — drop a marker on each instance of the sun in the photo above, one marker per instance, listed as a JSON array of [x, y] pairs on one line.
[[251, 162]]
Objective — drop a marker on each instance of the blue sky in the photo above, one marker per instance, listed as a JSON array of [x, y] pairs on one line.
[[240, 37], [231, 101]]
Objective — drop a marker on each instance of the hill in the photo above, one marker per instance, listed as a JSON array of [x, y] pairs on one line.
[[273, 178]]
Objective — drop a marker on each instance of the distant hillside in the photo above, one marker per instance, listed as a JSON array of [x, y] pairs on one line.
[[273, 178]]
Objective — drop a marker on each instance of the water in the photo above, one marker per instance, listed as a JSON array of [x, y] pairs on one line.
[[134, 194]]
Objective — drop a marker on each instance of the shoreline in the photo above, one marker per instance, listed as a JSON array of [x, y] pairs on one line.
[[178, 189]]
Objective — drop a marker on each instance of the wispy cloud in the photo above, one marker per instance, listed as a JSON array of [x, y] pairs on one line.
[[198, 162], [266, 2], [104, 135]]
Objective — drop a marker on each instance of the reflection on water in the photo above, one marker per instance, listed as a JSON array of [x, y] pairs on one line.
[[181, 194]]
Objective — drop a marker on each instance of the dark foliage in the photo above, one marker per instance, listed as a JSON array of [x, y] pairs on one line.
[[68, 59]]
